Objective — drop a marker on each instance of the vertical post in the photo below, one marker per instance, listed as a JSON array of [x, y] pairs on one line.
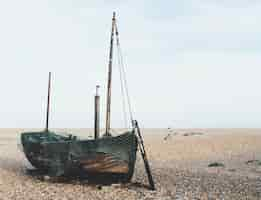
[[97, 114], [108, 110], [48, 103]]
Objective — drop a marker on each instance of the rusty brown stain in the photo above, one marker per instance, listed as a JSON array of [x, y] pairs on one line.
[[105, 163]]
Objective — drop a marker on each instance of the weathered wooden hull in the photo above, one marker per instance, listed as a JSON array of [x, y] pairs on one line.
[[110, 157]]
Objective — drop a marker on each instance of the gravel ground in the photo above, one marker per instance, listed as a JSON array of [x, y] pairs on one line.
[[174, 178]]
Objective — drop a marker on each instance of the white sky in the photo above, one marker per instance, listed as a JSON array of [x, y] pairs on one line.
[[190, 63]]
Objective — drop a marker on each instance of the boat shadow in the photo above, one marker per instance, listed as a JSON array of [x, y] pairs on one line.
[[135, 186], [97, 181], [19, 167]]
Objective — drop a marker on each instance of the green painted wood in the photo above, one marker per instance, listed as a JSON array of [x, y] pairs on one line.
[[60, 155]]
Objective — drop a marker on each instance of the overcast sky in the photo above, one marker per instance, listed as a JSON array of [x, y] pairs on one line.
[[190, 63]]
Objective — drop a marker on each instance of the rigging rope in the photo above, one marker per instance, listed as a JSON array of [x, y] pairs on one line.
[[122, 88], [124, 84]]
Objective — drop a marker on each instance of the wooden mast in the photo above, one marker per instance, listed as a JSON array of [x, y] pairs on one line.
[[97, 113], [108, 109], [48, 103]]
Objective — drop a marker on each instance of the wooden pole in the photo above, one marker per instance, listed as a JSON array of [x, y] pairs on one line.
[[48, 103], [144, 155], [108, 110], [97, 114]]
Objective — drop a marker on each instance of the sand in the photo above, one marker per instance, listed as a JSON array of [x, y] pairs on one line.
[[179, 164]]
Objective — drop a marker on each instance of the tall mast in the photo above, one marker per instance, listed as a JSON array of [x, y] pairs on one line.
[[97, 113], [108, 109], [48, 103]]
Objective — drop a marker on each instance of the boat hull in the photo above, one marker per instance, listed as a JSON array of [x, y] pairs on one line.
[[107, 158]]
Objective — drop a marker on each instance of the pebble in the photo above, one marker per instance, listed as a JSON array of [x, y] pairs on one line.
[[172, 182]]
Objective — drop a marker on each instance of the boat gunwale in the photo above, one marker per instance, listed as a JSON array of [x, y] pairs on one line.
[[67, 138]]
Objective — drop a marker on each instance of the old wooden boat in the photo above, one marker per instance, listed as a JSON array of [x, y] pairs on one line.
[[104, 158], [110, 157]]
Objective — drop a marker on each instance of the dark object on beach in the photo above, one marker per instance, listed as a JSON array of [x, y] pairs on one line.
[[216, 164], [256, 162], [167, 137], [192, 133], [170, 135], [107, 159]]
